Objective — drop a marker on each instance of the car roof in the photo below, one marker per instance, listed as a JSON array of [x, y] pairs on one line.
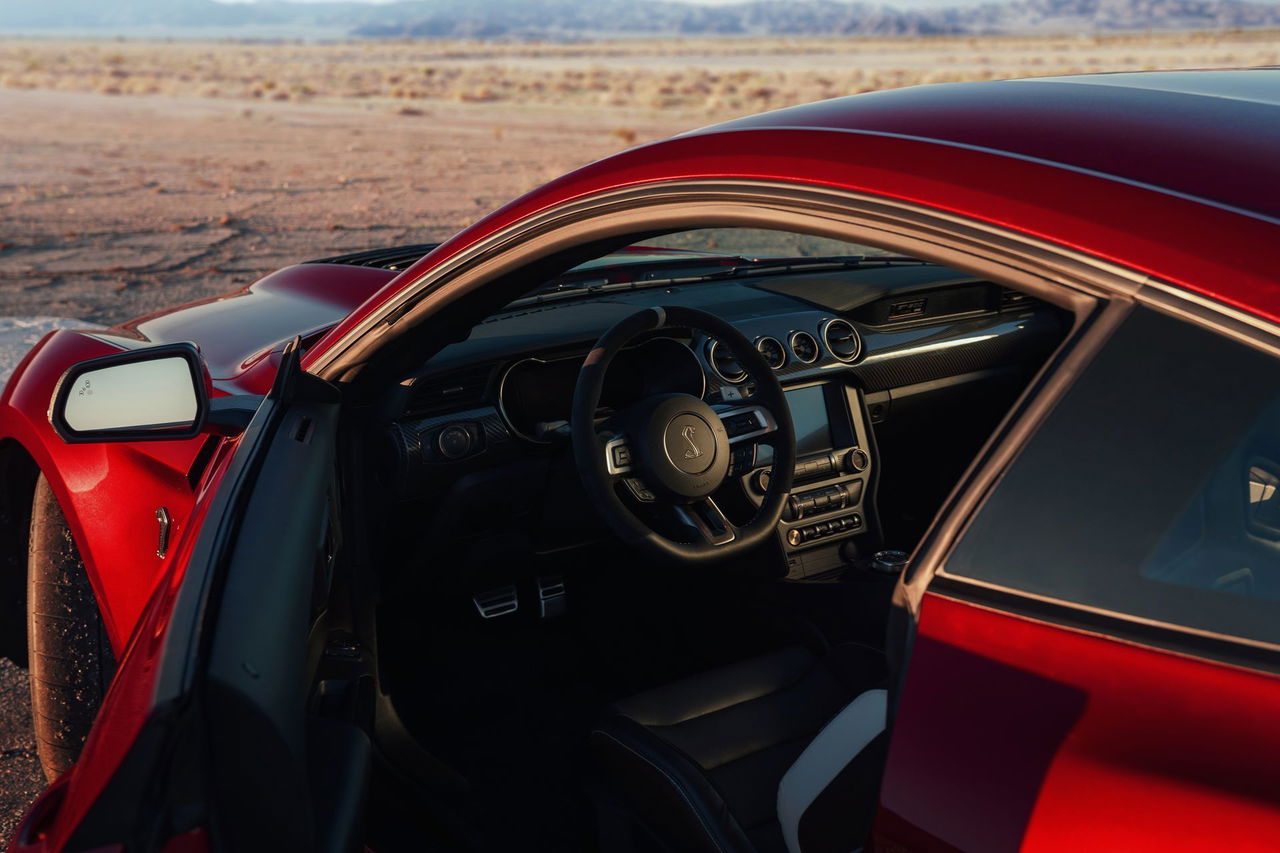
[[1213, 136]]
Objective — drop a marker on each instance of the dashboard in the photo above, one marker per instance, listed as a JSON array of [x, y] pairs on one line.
[[855, 351]]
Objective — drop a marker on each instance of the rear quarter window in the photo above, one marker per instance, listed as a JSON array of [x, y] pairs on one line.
[[1151, 490]]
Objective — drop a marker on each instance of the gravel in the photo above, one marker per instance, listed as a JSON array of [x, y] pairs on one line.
[[20, 776]]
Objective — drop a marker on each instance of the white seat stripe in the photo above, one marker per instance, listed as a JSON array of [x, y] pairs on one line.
[[835, 746]]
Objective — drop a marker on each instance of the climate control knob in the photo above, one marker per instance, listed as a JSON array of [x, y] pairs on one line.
[[857, 460]]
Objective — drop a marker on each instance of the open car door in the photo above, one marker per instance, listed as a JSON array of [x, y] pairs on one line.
[[205, 739]]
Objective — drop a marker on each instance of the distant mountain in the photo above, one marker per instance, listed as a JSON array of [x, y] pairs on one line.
[[577, 19]]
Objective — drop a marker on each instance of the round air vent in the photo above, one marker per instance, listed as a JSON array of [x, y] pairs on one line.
[[723, 362], [842, 340], [804, 347], [775, 354]]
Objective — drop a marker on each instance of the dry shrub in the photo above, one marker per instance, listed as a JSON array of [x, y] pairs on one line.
[[632, 74]]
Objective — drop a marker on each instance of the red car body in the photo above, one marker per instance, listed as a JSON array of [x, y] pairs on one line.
[[1162, 175]]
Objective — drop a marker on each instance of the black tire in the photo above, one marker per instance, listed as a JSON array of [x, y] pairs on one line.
[[70, 657]]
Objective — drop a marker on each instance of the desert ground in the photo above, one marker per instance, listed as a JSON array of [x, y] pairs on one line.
[[140, 174]]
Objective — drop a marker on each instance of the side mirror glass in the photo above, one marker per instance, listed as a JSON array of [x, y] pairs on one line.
[[150, 394]]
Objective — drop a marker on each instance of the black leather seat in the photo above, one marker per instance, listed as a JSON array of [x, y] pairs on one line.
[[696, 764]]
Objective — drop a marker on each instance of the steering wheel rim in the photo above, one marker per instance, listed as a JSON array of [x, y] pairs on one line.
[[669, 420]]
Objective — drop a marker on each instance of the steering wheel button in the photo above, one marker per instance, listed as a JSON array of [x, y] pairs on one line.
[[621, 456], [638, 489]]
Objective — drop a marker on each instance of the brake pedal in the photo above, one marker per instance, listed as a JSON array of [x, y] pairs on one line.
[[552, 601], [497, 602]]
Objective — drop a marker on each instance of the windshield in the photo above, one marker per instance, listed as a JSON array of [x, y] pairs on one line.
[[705, 255]]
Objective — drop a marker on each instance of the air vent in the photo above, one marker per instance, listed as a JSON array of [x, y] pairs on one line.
[[842, 340], [724, 362], [775, 354], [804, 347], [455, 391]]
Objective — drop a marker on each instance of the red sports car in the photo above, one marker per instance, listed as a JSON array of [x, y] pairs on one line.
[[898, 471]]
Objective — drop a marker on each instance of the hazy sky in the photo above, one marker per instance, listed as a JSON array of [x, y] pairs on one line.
[[704, 2]]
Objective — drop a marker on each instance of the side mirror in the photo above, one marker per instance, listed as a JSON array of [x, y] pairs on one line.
[[142, 395]]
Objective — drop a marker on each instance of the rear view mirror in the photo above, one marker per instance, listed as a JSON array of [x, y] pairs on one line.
[[149, 394]]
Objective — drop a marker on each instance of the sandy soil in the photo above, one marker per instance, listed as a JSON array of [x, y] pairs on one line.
[[20, 776], [112, 207]]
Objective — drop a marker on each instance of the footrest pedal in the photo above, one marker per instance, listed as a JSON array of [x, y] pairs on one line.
[[497, 602], [551, 597]]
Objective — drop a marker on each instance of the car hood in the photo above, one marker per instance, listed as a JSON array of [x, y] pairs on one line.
[[238, 331]]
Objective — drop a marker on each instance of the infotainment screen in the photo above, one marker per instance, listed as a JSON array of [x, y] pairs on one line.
[[809, 414]]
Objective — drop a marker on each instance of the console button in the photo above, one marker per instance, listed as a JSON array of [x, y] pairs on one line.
[[795, 536]]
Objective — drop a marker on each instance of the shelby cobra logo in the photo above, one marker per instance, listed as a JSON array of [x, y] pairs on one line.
[[693, 452]]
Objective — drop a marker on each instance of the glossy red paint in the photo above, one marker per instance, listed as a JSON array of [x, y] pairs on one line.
[[131, 699], [237, 331], [109, 492], [1205, 135], [1223, 254], [1015, 734]]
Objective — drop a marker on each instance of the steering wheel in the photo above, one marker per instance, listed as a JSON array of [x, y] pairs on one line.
[[673, 451]]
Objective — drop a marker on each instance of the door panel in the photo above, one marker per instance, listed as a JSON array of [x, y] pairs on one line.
[[260, 665]]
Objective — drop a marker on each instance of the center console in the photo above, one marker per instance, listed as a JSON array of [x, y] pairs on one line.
[[832, 492]]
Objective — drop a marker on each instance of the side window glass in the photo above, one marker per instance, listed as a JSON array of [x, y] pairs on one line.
[[1151, 490], [1264, 499], [1228, 539]]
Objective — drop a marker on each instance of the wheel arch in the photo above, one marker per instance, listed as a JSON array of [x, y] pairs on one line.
[[18, 474]]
